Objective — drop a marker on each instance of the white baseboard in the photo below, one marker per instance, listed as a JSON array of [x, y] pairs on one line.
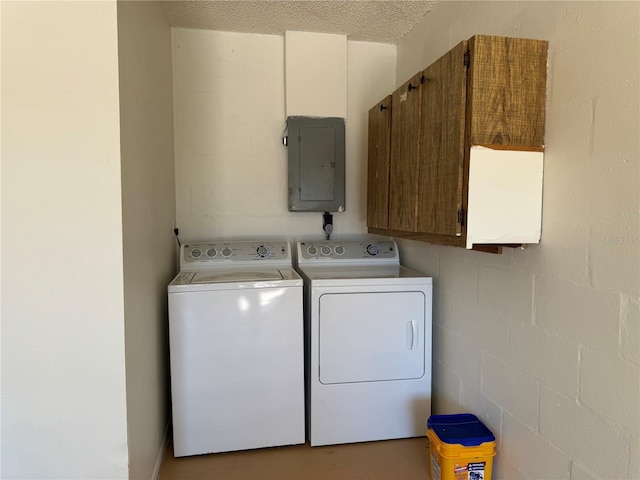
[[163, 448]]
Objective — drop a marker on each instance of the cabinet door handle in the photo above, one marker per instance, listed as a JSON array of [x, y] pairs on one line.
[[411, 87], [382, 107]]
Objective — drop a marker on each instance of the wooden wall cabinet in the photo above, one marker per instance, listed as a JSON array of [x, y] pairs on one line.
[[456, 153], [379, 146]]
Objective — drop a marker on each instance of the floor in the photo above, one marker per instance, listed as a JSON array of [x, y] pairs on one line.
[[404, 459]]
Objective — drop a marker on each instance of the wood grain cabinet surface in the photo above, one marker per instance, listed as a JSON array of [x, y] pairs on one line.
[[405, 155], [379, 146], [456, 152]]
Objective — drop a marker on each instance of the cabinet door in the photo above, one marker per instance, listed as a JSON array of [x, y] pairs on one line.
[[442, 144], [405, 148], [507, 91], [378, 168]]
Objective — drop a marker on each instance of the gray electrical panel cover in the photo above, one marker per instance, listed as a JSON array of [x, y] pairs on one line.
[[316, 149]]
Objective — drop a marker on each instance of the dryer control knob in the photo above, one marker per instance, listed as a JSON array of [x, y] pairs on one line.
[[313, 251], [226, 252], [326, 250], [373, 249], [211, 252], [196, 253]]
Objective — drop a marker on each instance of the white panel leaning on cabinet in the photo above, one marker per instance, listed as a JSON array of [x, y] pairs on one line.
[[505, 196]]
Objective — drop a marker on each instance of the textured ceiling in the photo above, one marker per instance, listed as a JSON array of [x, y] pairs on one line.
[[385, 21]]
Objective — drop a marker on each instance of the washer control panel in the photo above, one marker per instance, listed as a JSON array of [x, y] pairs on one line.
[[212, 253], [383, 250]]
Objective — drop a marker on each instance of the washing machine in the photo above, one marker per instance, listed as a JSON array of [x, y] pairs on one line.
[[368, 342], [236, 348]]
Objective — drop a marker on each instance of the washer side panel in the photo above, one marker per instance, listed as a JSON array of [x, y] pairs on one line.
[[236, 369]]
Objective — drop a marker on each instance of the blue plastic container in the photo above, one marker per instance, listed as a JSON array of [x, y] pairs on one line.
[[461, 428]]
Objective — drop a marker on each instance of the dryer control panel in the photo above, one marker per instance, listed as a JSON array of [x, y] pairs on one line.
[[349, 251], [208, 254]]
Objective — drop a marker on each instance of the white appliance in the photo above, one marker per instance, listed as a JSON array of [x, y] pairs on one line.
[[368, 342], [236, 348]]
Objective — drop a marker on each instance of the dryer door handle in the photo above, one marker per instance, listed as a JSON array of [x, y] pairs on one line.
[[412, 334]]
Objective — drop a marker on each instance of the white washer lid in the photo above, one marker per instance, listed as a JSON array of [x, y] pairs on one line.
[[235, 276]]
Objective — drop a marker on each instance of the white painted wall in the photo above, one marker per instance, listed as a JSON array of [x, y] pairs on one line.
[[231, 166], [315, 68], [63, 366], [544, 343], [148, 212]]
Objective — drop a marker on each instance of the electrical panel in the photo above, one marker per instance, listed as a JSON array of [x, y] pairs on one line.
[[316, 152]]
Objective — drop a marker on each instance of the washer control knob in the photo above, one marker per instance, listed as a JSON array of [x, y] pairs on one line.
[[311, 250], [226, 252], [263, 251], [196, 253], [339, 250], [326, 250], [211, 252], [373, 249]]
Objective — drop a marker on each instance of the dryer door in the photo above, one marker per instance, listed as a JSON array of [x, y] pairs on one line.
[[366, 337]]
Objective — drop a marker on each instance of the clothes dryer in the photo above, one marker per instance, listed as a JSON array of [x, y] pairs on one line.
[[236, 348], [368, 342]]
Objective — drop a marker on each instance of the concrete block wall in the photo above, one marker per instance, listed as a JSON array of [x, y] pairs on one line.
[[543, 343]]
